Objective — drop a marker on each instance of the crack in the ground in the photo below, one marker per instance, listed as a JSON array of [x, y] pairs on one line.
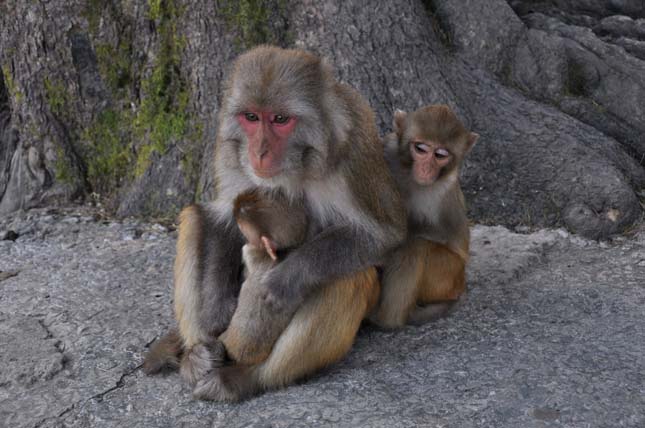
[[99, 397], [119, 384], [8, 274]]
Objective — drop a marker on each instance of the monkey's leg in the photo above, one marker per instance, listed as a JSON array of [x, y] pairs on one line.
[[206, 284], [444, 275], [254, 328], [442, 283], [320, 333], [399, 287], [164, 353]]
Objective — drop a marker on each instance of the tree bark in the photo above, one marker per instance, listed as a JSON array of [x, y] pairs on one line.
[[553, 87]]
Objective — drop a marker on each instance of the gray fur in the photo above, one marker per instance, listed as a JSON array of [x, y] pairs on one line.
[[219, 269]]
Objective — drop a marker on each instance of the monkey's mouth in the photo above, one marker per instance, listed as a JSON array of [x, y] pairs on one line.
[[267, 173]]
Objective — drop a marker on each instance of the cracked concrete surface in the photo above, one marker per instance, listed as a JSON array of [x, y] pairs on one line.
[[551, 333]]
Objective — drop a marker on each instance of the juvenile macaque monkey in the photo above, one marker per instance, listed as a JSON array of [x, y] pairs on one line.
[[272, 225], [287, 125], [425, 275]]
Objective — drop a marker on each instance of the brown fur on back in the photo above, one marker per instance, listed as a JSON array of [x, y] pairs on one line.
[[366, 158]]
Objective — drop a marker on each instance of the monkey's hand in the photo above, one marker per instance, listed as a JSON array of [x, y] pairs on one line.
[[278, 296]]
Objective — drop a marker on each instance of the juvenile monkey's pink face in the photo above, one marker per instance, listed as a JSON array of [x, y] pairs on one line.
[[268, 134], [428, 159]]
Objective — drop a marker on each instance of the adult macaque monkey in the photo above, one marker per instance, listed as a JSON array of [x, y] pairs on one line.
[[425, 154], [286, 124]]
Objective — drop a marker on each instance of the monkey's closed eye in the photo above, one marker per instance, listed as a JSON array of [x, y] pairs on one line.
[[441, 153], [251, 117], [421, 148]]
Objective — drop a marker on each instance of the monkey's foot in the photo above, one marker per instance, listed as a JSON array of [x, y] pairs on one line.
[[230, 384], [201, 359], [430, 312]]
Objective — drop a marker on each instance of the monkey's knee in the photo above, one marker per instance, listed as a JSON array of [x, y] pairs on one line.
[[321, 332], [164, 354], [444, 276], [243, 351]]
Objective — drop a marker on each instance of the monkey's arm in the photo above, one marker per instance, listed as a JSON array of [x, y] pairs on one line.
[[206, 274], [221, 283], [335, 252]]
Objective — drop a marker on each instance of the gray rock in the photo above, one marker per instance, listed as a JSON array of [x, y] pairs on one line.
[[621, 26], [549, 332]]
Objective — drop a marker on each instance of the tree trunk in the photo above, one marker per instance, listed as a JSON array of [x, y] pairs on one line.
[[118, 100]]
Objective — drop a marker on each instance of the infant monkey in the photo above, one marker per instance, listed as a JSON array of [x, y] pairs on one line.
[[425, 153], [272, 225]]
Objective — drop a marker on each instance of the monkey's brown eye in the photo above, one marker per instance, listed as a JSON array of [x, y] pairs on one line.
[[280, 119], [421, 148], [251, 117], [441, 153]]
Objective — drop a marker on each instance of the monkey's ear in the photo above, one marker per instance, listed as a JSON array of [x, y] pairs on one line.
[[270, 247], [472, 139], [399, 121]]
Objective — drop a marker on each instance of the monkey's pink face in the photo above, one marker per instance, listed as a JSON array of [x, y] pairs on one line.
[[268, 135], [428, 160]]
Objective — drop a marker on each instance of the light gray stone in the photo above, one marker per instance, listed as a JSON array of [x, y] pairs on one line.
[[550, 332]]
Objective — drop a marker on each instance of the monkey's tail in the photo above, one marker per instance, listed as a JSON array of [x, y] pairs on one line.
[[164, 354]]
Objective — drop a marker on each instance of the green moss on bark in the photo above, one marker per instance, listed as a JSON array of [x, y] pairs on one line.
[[14, 93], [253, 21], [163, 115], [149, 110], [63, 171], [108, 154], [57, 97], [115, 65]]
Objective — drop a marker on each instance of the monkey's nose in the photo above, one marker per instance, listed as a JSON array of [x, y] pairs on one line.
[[261, 151]]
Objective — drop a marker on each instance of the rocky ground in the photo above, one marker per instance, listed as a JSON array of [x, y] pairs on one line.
[[551, 333]]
